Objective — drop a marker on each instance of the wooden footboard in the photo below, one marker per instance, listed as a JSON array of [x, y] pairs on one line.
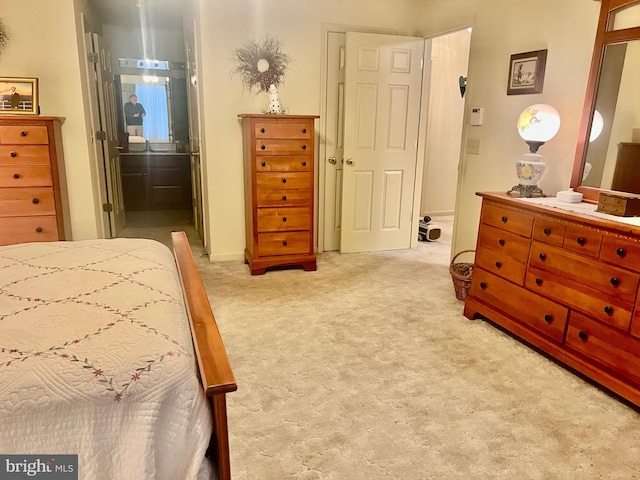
[[215, 371]]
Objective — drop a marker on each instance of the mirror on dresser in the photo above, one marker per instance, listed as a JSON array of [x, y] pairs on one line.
[[611, 160]]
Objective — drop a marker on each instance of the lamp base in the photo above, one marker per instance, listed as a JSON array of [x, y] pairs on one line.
[[527, 191]]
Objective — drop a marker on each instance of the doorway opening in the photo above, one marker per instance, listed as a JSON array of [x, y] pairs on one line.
[[146, 174]]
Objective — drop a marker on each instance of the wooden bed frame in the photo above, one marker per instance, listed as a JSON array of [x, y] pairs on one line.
[[213, 364]]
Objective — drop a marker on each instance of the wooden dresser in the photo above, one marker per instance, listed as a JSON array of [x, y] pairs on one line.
[[625, 176], [278, 186], [33, 198], [566, 283]]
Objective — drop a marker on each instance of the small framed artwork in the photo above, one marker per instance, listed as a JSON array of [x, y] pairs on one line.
[[526, 72], [18, 96]]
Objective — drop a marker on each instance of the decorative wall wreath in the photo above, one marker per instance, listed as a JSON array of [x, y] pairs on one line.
[[4, 37], [261, 64]]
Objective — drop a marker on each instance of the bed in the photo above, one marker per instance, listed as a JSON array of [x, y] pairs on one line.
[[109, 350]]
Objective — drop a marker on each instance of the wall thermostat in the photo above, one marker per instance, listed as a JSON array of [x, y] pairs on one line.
[[476, 116]]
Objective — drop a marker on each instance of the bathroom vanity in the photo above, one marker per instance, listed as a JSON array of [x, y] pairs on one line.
[[156, 181]]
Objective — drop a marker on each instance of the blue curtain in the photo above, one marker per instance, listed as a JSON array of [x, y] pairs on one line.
[[154, 100]]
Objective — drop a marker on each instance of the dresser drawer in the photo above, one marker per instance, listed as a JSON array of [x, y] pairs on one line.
[[534, 311], [274, 198], [607, 346], [301, 130], [283, 181], [511, 220], [28, 229], [608, 309], [281, 219], [611, 281], [505, 242], [17, 202], [500, 264], [549, 231], [24, 155], [284, 243], [582, 240], [279, 146], [25, 176], [621, 251], [24, 134], [283, 164]]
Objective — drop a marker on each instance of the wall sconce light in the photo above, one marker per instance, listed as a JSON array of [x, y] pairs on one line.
[[537, 124]]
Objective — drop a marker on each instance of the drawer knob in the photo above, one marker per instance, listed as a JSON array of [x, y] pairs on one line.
[[501, 241], [39, 229], [262, 130], [304, 130], [304, 164], [284, 180], [264, 164], [548, 318], [23, 133], [547, 231], [583, 335], [13, 153], [36, 201], [284, 219], [284, 198], [262, 147], [16, 175], [542, 256], [483, 285], [581, 240], [504, 219], [498, 264], [538, 281], [608, 310], [304, 147], [615, 281], [284, 242], [621, 252]]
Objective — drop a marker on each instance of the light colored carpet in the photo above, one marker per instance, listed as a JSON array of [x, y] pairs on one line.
[[366, 369]]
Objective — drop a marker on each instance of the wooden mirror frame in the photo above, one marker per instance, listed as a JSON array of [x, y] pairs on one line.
[[604, 37]]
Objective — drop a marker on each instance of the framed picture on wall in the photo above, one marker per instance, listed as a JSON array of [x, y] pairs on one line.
[[18, 96], [526, 72]]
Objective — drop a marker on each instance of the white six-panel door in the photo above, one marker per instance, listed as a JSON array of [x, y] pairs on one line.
[[383, 83]]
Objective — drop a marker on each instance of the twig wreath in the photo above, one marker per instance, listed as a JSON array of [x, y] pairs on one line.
[[261, 64], [4, 37]]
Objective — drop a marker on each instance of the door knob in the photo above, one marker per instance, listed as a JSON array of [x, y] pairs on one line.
[[349, 161], [332, 160]]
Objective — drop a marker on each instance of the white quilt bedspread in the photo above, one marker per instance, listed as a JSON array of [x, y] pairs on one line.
[[96, 359]]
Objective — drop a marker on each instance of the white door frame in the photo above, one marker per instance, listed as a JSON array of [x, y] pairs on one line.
[[322, 147]]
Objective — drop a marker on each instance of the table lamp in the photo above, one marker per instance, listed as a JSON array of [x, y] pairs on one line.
[[537, 124]]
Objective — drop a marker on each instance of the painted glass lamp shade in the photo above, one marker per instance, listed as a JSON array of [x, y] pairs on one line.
[[537, 124]]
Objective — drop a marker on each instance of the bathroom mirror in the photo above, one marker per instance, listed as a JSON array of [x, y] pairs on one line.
[[163, 95], [608, 150]]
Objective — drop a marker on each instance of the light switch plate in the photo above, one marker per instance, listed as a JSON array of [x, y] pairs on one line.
[[473, 146]]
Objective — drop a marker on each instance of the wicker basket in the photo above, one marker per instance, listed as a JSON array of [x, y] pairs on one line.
[[461, 275]]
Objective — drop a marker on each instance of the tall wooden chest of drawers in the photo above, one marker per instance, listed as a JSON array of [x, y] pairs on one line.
[[565, 282], [279, 190], [33, 198]]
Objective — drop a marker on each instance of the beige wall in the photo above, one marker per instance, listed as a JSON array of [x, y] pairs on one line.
[[43, 44], [504, 27]]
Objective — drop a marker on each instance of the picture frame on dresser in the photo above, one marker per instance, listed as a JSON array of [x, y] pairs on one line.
[[19, 96]]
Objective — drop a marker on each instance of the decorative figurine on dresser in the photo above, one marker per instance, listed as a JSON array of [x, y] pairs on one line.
[[33, 199], [278, 187]]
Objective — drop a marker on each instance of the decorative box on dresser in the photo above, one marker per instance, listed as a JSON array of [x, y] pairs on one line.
[[33, 198], [278, 190], [564, 282]]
